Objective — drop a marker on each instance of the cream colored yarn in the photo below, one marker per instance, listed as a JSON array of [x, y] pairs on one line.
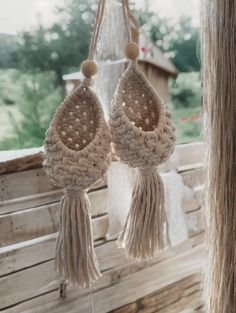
[[77, 143], [77, 154], [143, 137], [140, 123]]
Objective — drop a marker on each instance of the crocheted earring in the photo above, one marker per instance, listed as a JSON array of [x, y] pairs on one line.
[[77, 154], [143, 137]]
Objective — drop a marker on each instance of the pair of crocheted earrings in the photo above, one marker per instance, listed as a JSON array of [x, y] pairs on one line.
[[78, 153]]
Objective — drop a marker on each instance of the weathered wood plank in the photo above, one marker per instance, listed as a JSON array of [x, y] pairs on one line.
[[47, 218], [29, 253], [126, 285], [28, 189], [13, 259], [43, 220], [36, 181], [21, 184], [185, 294], [25, 254], [110, 259], [38, 190], [29, 158], [23, 163], [43, 250], [28, 202]]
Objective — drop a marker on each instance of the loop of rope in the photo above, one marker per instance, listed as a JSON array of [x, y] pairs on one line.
[[97, 28], [129, 19], [125, 5]]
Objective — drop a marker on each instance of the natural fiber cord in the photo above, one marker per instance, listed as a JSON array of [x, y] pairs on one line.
[[143, 137], [219, 90], [77, 155]]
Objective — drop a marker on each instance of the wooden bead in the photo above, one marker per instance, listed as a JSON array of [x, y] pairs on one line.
[[89, 68], [131, 50]]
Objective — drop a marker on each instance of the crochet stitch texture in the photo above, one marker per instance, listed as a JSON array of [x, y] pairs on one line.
[[140, 123], [77, 155], [77, 143]]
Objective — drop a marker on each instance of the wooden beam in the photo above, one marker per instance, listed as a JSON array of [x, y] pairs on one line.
[[41, 221], [191, 153], [185, 294], [30, 188], [22, 163], [37, 189], [116, 288], [32, 252]]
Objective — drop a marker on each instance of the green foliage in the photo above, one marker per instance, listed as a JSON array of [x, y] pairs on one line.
[[44, 54], [184, 48], [10, 87], [188, 123], [178, 40], [62, 46], [39, 100], [9, 57], [186, 90]]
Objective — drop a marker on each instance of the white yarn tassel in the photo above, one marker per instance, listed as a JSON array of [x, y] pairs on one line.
[[146, 228], [76, 261]]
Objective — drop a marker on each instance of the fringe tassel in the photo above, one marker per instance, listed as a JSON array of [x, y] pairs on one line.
[[219, 94], [146, 228], [76, 261]]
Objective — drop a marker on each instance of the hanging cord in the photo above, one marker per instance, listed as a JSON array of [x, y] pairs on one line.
[[97, 28], [129, 18], [126, 19], [91, 298], [87, 81]]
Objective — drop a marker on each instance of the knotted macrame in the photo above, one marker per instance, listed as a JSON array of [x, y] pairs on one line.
[[143, 137], [77, 154]]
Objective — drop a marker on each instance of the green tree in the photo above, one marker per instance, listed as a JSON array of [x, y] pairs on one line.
[[64, 45], [186, 90], [178, 40], [9, 57], [39, 100]]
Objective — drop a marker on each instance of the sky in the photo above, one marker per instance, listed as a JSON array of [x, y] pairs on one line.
[[18, 15]]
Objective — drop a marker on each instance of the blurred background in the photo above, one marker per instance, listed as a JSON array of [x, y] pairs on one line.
[[42, 40]]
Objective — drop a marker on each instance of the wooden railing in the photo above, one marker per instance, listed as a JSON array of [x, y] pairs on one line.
[[29, 204]]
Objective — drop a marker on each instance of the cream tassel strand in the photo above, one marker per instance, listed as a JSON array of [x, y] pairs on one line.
[[76, 261], [146, 227]]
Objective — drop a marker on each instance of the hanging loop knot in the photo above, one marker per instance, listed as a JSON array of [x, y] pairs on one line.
[[147, 171], [74, 193], [134, 64], [87, 82]]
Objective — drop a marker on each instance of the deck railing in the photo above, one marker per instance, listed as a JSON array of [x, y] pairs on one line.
[[29, 205]]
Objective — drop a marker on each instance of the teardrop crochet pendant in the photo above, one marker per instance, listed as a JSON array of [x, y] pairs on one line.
[[143, 137], [77, 154]]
